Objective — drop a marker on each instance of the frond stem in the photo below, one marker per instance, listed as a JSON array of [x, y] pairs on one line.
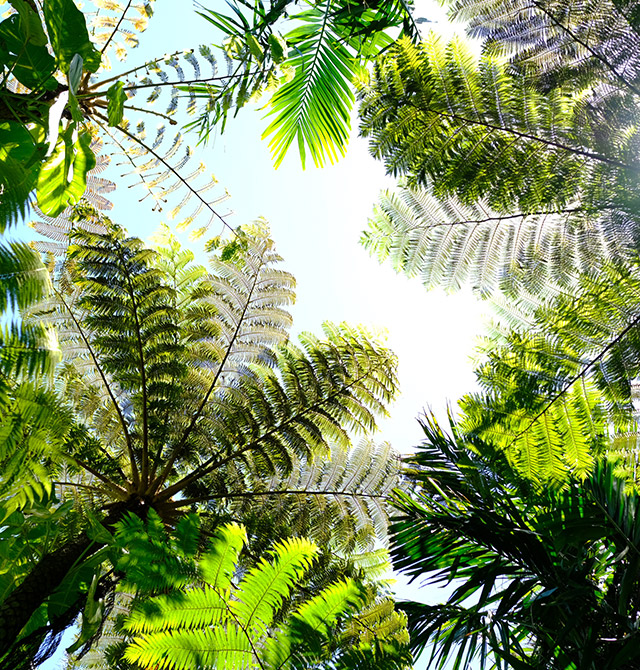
[[173, 171], [250, 494], [590, 49], [211, 464], [144, 463], [103, 377], [535, 138], [175, 453], [117, 27]]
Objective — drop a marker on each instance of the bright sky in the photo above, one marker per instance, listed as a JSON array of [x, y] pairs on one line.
[[316, 218]]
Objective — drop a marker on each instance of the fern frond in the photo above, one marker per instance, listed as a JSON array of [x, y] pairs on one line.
[[477, 131], [449, 244], [261, 592], [561, 41]]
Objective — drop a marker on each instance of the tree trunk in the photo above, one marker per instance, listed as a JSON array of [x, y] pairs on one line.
[[44, 579]]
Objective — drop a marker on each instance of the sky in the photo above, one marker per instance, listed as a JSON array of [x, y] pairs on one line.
[[316, 218]]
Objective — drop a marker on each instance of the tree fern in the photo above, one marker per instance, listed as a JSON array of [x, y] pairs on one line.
[[234, 624], [559, 390], [561, 41], [182, 390]]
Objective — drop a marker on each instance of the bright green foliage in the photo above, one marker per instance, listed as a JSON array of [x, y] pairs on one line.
[[542, 579], [69, 36], [474, 130], [448, 244], [313, 108], [209, 609], [554, 390], [181, 390], [311, 68], [63, 176]]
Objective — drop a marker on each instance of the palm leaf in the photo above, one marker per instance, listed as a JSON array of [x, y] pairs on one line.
[[314, 107]]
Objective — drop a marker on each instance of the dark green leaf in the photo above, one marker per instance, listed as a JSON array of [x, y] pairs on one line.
[[30, 23], [69, 36], [30, 63]]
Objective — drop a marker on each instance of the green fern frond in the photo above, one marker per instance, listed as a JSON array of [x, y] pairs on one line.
[[262, 591], [449, 244], [560, 41], [476, 131]]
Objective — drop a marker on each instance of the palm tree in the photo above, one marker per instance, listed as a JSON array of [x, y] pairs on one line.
[[541, 579], [179, 390]]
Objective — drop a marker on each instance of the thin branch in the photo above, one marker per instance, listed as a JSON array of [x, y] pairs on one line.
[[535, 138], [104, 105], [115, 30], [120, 75]]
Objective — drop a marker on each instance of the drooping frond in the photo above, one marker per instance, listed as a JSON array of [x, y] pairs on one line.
[[313, 109], [554, 391], [23, 348], [341, 501], [475, 130], [35, 429], [25, 279], [528, 569], [448, 244]]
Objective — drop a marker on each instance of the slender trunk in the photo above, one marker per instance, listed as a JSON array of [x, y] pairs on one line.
[[44, 579]]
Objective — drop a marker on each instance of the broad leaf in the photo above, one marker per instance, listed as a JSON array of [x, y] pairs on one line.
[[21, 150], [30, 62], [63, 177], [69, 36]]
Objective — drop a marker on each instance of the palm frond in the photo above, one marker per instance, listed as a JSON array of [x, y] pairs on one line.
[[314, 107]]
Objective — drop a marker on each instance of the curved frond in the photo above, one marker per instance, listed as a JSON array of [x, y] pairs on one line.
[[475, 130], [448, 244]]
